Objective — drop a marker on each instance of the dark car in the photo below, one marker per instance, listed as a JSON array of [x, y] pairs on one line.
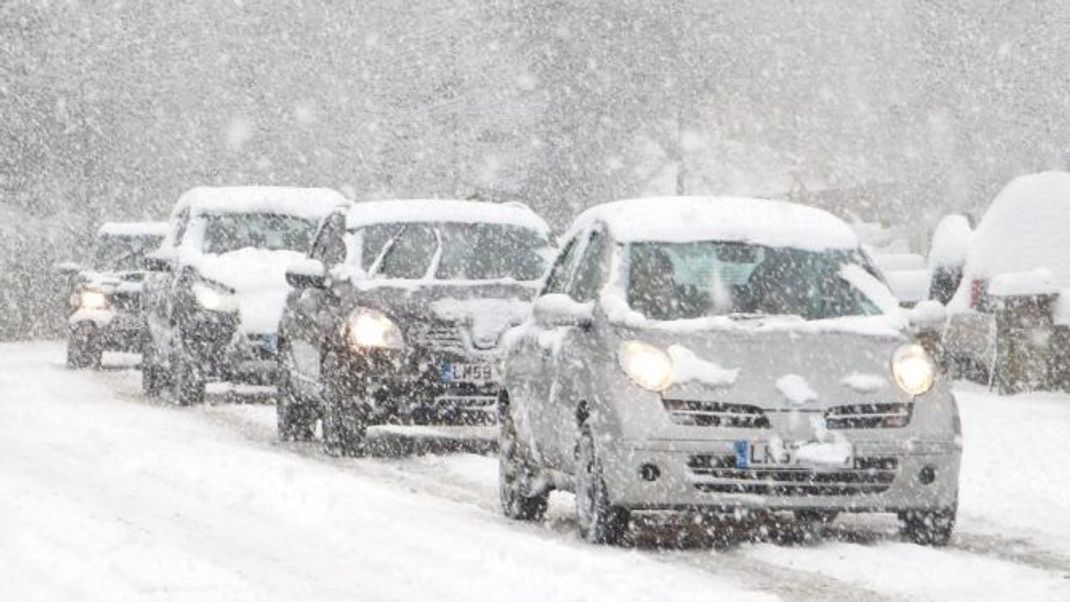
[[105, 301], [218, 284], [400, 314]]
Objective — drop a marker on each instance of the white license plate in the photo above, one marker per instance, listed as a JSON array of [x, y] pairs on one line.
[[481, 372], [792, 454], [764, 453]]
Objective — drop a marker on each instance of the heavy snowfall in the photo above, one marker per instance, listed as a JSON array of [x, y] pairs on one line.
[[566, 300]]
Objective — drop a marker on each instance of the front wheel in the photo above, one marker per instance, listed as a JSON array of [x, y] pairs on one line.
[[188, 380], [295, 419], [521, 497], [928, 527], [599, 521]]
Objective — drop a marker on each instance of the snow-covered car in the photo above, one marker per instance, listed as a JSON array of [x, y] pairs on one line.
[[947, 256], [218, 285], [722, 355], [106, 300], [1010, 317], [906, 274], [400, 315]]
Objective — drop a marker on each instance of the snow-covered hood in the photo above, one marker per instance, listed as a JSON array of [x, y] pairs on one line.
[[780, 370], [257, 277]]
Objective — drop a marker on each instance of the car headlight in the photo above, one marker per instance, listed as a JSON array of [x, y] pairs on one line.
[[92, 300], [649, 367], [371, 328], [213, 297], [913, 369]]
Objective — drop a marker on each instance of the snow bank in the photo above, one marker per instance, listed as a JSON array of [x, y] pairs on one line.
[[1025, 228], [795, 389], [689, 367], [132, 229], [442, 210], [733, 219], [951, 242]]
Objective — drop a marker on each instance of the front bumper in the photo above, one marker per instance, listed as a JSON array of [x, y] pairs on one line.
[[113, 330], [226, 353], [416, 387], [885, 477]]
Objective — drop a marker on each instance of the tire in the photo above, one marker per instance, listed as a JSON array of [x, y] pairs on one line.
[[295, 419], [153, 376], [83, 350], [928, 527], [517, 475], [599, 521], [344, 426], [188, 381]]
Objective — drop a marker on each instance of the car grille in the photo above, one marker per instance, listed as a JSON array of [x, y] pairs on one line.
[[719, 474], [442, 337], [869, 416], [126, 302], [709, 413]]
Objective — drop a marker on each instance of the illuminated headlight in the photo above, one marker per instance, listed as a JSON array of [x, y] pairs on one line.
[[214, 297], [650, 367], [913, 369], [370, 328], [92, 300]]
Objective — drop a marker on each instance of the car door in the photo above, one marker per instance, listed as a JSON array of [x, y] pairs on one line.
[[157, 288], [570, 367], [309, 309]]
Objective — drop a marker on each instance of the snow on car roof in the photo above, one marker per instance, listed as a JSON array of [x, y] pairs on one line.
[[442, 210], [688, 219], [1025, 228], [309, 203], [132, 229]]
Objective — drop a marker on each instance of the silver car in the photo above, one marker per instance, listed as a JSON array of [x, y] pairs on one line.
[[716, 355]]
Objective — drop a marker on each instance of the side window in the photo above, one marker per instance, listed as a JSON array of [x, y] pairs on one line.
[[558, 278], [591, 272], [411, 253]]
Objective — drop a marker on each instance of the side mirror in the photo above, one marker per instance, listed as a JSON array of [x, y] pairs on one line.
[[153, 263], [67, 268], [309, 273], [557, 310]]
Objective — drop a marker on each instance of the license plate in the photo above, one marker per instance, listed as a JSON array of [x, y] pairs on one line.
[[469, 373], [764, 453]]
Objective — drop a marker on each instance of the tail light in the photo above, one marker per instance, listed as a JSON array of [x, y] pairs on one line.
[[977, 293]]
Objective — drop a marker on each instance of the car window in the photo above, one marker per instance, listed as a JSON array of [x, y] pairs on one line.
[[329, 246], [591, 270], [558, 278], [410, 253]]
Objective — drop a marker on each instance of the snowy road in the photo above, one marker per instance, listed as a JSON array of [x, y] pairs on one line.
[[105, 495]]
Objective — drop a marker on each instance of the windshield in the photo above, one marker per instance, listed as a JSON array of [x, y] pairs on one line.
[[676, 281], [122, 253], [233, 231], [461, 251]]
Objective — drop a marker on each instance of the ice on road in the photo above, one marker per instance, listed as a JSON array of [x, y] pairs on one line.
[[107, 496]]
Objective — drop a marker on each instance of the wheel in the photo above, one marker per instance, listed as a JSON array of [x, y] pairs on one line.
[[928, 527], [188, 380], [83, 349], [600, 522], [520, 498], [153, 376], [295, 419], [344, 422]]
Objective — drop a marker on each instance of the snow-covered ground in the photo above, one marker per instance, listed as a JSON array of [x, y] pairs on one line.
[[105, 495]]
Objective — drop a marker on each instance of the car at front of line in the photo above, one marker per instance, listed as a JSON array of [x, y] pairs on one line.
[[105, 301], [218, 285], [406, 328], [714, 356]]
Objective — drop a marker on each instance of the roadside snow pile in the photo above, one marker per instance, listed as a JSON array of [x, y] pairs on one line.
[[443, 210], [689, 367], [1025, 228], [795, 389], [864, 383], [730, 219], [951, 242]]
